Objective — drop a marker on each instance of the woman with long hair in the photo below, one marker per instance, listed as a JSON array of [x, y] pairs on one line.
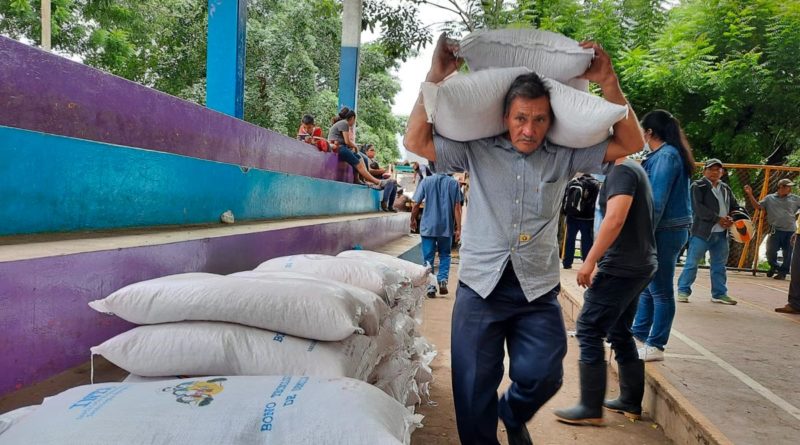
[[669, 165], [341, 136]]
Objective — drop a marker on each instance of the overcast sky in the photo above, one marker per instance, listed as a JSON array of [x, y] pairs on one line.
[[412, 72]]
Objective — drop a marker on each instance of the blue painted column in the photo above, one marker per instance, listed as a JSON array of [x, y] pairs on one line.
[[348, 63], [227, 21]]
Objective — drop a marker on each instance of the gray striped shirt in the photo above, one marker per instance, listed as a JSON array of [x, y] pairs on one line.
[[513, 208]]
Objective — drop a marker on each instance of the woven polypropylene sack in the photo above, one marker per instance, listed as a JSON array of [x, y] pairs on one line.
[[581, 119], [470, 106], [357, 272], [209, 348], [219, 410], [416, 273], [375, 307], [550, 54], [308, 309], [467, 107]]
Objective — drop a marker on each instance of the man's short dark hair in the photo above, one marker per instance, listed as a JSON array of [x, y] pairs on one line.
[[308, 119], [527, 86]]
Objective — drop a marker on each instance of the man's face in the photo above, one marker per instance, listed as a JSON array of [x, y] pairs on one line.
[[528, 121], [784, 190], [371, 152], [713, 173]]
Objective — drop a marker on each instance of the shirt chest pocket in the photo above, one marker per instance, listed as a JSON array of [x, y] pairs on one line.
[[548, 201]]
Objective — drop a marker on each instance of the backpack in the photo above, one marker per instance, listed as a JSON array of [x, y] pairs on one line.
[[573, 197], [579, 198]]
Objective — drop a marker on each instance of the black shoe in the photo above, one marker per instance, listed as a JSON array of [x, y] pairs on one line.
[[567, 267], [443, 287], [779, 276], [518, 436], [431, 291], [384, 207], [770, 272], [631, 390], [589, 411]]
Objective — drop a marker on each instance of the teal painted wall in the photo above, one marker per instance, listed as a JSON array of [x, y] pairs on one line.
[[53, 183]]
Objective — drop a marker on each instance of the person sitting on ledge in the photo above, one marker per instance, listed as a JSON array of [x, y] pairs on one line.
[[311, 134], [341, 133], [390, 189]]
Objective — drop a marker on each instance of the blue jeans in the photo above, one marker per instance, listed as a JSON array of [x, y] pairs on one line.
[[657, 303], [586, 228], [780, 240], [537, 343], [389, 192], [717, 247], [442, 244]]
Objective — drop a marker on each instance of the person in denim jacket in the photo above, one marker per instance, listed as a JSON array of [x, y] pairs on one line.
[[669, 166]]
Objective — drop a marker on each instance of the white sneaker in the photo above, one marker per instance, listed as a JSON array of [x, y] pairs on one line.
[[651, 354]]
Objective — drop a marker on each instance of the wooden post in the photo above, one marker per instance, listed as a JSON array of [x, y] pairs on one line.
[[46, 25], [759, 232]]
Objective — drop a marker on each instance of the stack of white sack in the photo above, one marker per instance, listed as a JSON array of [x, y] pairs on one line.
[[470, 106], [207, 324], [218, 410], [405, 373]]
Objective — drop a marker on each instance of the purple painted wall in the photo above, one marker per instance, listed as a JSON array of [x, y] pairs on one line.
[[48, 93], [46, 326]]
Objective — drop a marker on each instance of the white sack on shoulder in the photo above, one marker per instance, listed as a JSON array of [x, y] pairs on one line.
[[375, 308], [467, 107], [373, 277], [548, 53], [210, 348], [470, 107], [581, 119], [416, 273], [219, 410], [315, 309]]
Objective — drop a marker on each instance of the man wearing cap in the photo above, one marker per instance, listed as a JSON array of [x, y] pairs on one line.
[[781, 207], [712, 202]]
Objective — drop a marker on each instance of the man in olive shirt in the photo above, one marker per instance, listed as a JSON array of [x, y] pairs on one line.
[[509, 268], [780, 207]]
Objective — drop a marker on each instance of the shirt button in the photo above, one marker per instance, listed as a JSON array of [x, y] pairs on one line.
[[517, 201], [512, 249], [515, 224], [518, 176]]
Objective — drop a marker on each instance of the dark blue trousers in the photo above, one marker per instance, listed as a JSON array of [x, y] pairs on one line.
[[537, 343], [609, 306], [586, 229]]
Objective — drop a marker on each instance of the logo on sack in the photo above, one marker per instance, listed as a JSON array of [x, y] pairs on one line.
[[198, 392]]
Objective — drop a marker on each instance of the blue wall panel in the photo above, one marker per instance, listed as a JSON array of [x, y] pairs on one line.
[[53, 183], [348, 77], [227, 22]]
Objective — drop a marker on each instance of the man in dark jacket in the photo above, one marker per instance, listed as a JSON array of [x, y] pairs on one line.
[[712, 201], [580, 219]]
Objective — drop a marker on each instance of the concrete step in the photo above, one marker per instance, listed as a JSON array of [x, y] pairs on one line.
[[46, 326]]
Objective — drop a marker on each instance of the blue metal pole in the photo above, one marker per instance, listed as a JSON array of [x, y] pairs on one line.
[[227, 20], [348, 63]]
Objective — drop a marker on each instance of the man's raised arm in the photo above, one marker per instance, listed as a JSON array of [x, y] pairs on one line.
[[419, 133], [628, 138]]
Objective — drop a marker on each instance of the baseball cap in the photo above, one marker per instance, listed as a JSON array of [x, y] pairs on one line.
[[712, 162], [785, 182]]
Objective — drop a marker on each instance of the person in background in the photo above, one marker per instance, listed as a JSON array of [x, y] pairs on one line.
[[390, 187], [793, 305], [780, 207], [669, 165], [507, 297], [421, 171], [400, 201], [616, 270], [311, 134], [440, 224], [580, 218], [712, 202], [341, 135]]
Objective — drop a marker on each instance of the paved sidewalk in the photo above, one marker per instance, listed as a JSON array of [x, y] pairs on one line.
[[737, 366]]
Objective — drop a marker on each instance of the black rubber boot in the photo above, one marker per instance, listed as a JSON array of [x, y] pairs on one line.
[[631, 390], [589, 411], [519, 436]]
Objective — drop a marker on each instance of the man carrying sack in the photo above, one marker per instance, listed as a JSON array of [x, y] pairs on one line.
[[509, 270]]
